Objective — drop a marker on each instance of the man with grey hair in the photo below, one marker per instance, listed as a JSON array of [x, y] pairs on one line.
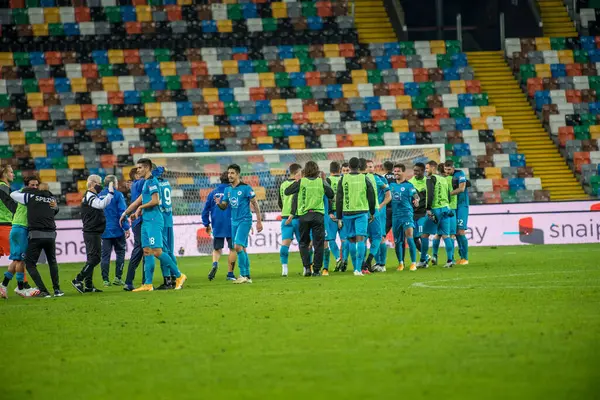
[[115, 235], [94, 222]]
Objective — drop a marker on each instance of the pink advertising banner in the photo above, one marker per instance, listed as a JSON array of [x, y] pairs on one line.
[[489, 225]]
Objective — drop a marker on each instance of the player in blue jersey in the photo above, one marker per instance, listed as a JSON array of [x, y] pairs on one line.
[[147, 206], [289, 228], [384, 198], [239, 197], [342, 265], [451, 220], [459, 188], [404, 198], [166, 208]]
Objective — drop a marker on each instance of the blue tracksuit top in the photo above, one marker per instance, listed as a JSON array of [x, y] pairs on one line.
[[212, 214], [136, 191], [113, 212]]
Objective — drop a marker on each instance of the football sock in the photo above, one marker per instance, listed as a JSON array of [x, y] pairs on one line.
[[424, 248], [374, 250], [353, 250], [345, 250], [436, 246], [399, 253], [284, 254], [215, 264], [312, 252], [284, 269], [326, 258], [335, 250], [361, 250], [244, 263], [149, 264], [382, 255], [20, 280], [167, 261], [463, 246], [412, 249], [449, 243], [7, 277], [417, 242]]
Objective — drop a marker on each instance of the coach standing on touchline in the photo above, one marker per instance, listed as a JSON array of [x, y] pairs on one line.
[[94, 222]]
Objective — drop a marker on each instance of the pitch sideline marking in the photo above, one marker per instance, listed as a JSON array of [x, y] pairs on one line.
[[428, 286]]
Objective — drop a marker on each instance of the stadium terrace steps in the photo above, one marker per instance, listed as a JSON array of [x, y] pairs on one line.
[[526, 129], [372, 22], [556, 19]]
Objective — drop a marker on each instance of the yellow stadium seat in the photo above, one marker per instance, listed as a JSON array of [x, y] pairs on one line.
[[487, 111], [144, 13], [361, 140], [297, 142], [279, 106], [267, 79], [359, 76], [48, 175], [331, 50], [185, 180], [225, 26], [153, 110], [264, 140], [37, 150], [16, 138], [73, 111], [81, 186], [350, 90], [212, 132], [479, 123], [230, 67], [126, 171], [52, 15], [116, 57], [261, 193], [291, 64], [502, 135], [278, 171], [316, 117], [185, 2], [79, 85], [437, 46], [400, 125], [543, 71], [76, 162], [279, 10], [35, 99], [126, 122], [542, 43], [566, 56], [168, 68], [189, 120], [403, 102], [110, 83], [493, 173], [40, 29], [6, 59], [210, 94]]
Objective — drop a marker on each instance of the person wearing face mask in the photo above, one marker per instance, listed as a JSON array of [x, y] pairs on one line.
[[94, 223]]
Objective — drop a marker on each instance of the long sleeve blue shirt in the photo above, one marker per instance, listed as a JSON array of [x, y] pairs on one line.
[[136, 191], [112, 213], [213, 215]]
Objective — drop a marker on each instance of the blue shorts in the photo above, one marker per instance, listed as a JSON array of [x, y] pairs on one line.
[[399, 226], [383, 221], [355, 225], [240, 232], [331, 228], [152, 235], [452, 224], [219, 243], [168, 240], [443, 222], [374, 229], [19, 240], [419, 224], [289, 231], [462, 218]]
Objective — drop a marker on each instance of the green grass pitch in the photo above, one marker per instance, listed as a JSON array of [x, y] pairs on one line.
[[519, 322]]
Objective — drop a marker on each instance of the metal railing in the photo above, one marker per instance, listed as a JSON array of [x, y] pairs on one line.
[[459, 30], [534, 6], [502, 32]]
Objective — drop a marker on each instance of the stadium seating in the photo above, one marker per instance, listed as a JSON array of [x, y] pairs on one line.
[[88, 84], [561, 79]]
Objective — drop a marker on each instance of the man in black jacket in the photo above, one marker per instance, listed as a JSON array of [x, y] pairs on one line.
[[41, 210]]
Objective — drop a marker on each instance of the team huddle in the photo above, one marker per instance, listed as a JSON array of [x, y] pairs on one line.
[[352, 203]]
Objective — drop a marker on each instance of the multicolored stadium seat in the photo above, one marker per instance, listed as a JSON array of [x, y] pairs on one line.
[[561, 79], [90, 83]]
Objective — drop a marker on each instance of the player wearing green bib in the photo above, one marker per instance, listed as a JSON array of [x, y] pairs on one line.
[[289, 228], [355, 206], [452, 219], [438, 213], [345, 252], [331, 227], [309, 205]]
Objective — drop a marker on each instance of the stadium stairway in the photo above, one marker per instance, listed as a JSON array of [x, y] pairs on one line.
[[372, 22], [556, 19], [541, 153]]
